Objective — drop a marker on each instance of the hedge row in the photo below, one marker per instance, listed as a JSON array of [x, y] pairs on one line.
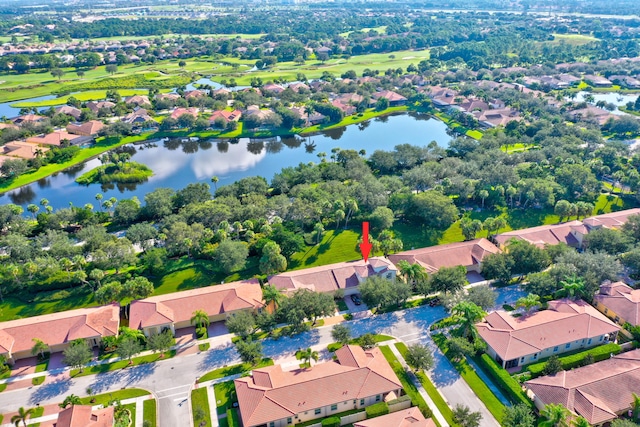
[[399, 400], [331, 422], [233, 419], [507, 384], [602, 352], [377, 409]]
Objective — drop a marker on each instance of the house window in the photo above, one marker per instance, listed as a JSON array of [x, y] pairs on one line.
[[361, 402], [535, 356], [317, 411], [600, 339], [389, 276], [555, 349], [589, 342], [272, 424], [377, 398], [334, 407], [568, 345], [522, 360], [606, 310], [289, 421]]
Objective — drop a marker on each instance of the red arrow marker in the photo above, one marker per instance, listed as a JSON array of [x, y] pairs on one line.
[[365, 246]]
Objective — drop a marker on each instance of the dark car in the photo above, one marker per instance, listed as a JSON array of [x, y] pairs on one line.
[[356, 299]]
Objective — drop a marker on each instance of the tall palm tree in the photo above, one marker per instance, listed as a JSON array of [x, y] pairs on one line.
[[39, 347], [200, 319], [22, 416], [468, 314], [307, 355], [573, 286], [413, 273], [272, 295], [554, 415], [215, 180], [528, 302]]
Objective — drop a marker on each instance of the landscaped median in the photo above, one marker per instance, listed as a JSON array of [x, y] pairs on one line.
[[476, 384], [121, 364], [233, 370], [200, 407]]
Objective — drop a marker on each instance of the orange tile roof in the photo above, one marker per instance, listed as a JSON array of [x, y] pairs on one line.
[[329, 278], [622, 300], [597, 392], [612, 219], [60, 328], [272, 394], [91, 127], [24, 150], [411, 417], [192, 111], [565, 321], [433, 258], [544, 234], [84, 416], [53, 138], [179, 306]]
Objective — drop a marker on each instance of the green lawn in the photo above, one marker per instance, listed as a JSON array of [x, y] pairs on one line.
[[90, 95], [38, 380], [150, 412], [336, 246], [352, 120], [132, 410], [407, 384], [233, 370], [104, 399], [122, 364], [572, 39], [42, 365], [431, 390], [199, 400], [476, 384], [225, 396]]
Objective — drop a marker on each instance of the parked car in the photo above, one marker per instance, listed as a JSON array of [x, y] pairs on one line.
[[356, 299]]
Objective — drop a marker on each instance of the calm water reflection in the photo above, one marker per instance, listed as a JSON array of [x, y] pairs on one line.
[[176, 163]]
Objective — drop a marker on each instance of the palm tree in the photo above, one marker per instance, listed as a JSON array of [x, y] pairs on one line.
[[580, 422], [215, 180], [272, 295], [468, 315], [39, 347], [200, 319], [413, 273], [635, 406], [22, 416], [307, 355], [72, 400], [528, 302], [318, 230], [573, 286], [99, 199], [554, 415]]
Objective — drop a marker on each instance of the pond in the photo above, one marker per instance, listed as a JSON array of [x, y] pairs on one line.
[[176, 163], [617, 99]]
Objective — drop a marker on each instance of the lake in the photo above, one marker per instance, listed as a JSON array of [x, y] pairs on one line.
[[618, 99], [176, 164]]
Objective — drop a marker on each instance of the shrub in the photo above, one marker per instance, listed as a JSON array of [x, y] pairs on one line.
[[377, 409], [399, 400], [553, 366], [600, 353], [201, 332], [232, 418], [331, 422], [503, 380]]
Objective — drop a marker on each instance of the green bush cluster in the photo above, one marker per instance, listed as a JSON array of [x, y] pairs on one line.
[[201, 332], [127, 82], [575, 360], [377, 409], [233, 420], [503, 380], [400, 399], [132, 172], [331, 422]]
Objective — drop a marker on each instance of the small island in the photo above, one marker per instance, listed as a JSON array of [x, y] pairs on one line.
[[116, 168]]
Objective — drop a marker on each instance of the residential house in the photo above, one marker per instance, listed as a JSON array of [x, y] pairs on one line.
[[85, 416], [297, 87], [23, 150], [57, 138], [614, 220], [471, 105], [598, 392], [497, 117], [57, 330], [329, 278], [191, 111], [569, 79], [8, 126], [597, 81], [565, 326], [137, 117], [226, 115], [194, 94], [591, 113], [95, 107], [137, 100], [90, 128], [347, 109], [619, 302], [168, 96], [395, 99], [467, 254], [174, 311], [70, 111], [27, 118], [357, 378], [625, 81], [411, 417], [272, 87], [443, 97]]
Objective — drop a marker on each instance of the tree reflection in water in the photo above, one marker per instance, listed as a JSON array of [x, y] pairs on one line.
[[23, 195], [255, 146], [292, 141], [223, 146], [274, 146]]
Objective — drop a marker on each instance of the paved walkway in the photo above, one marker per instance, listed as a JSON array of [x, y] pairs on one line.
[[430, 403]]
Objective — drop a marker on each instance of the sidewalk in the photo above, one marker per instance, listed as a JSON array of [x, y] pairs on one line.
[[434, 409]]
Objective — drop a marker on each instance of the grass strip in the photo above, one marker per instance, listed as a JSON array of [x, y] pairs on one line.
[[407, 384], [234, 370], [121, 364], [132, 410], [38, 380], [476, 384], [200, 407], [150, 412], [431, 389], [105, 398]]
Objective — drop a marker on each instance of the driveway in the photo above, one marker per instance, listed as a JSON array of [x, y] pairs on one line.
[[353, 308]]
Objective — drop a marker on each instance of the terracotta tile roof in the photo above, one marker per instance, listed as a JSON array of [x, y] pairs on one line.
[[329, 278], [137, 100], [622, 300], [60, 328], [565, 321], [84, 416], [69, 110], [192, 111], [27, 118], [411, 417], [24, 150], [272, 394], [53, 138], [227, 115], [544, 234], [433, 258], [179, 306], [597, 392], [91, 127], [612, 219], [390, 95]]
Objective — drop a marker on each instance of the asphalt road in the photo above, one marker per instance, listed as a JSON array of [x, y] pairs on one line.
[[171, 380]]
